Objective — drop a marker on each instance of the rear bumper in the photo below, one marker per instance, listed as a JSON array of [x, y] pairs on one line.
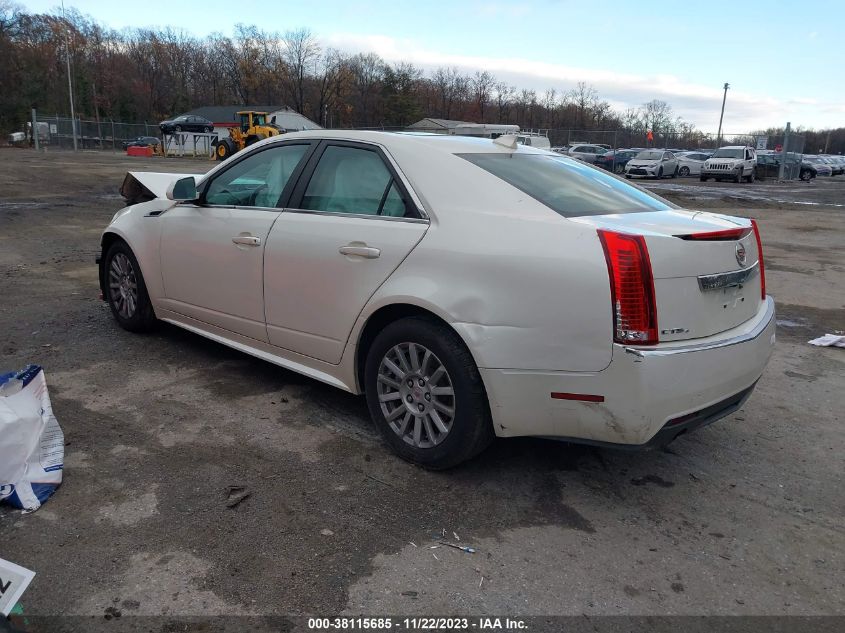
[[650, 395]]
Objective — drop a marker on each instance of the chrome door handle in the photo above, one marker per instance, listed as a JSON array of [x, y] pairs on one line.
[[367, 252], [247, 240]]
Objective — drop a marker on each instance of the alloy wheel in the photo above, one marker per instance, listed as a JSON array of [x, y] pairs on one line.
[[123, 286], [416, 395]]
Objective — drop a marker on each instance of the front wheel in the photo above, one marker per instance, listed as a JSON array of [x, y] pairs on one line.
[[126, 291], [751, 177], [738, 177], [225, 148], [425, 394], [660, 173]]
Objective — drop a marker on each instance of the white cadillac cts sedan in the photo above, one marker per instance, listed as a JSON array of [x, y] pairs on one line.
[[471, 288]]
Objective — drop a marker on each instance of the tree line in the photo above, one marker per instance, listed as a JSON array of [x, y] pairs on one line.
[[144, 74]]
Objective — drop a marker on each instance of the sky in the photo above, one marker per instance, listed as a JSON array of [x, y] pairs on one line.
[[784, 59]]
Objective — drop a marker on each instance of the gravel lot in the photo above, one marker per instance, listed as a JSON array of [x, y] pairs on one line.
[[744, 517]]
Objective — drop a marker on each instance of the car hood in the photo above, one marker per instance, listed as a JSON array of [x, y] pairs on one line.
[[724, 160], [141, 186], [642, 163]]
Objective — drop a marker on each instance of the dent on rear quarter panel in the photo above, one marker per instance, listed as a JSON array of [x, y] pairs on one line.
[[526, 291]]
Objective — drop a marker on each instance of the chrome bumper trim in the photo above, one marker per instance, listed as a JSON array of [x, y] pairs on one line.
[[644, 352]]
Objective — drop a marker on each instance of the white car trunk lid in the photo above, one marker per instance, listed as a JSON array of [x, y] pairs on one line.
[[705, 281]]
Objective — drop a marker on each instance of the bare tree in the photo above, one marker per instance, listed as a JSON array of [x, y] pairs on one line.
[[300, 52], [584, 97], [482, 85]]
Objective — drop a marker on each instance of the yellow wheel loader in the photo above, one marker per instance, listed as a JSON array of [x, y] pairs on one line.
[[253, 128]]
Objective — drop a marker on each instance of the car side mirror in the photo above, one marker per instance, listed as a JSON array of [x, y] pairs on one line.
[[182, 189]]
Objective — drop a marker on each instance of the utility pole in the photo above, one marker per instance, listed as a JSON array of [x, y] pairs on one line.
[[34, 136], [826, 142], [69, 80], [722, 116], [783, 150]]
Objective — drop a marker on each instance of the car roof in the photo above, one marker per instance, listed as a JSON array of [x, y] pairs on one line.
[[445, 143]]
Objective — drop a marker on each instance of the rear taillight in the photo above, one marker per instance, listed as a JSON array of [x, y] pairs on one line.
[[717, 236], [760, 259], [631, 288]]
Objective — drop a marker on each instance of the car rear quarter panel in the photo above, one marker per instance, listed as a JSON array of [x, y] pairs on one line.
[[524, 287]]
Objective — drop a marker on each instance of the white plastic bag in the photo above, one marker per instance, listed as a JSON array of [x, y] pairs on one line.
[[32, 445]]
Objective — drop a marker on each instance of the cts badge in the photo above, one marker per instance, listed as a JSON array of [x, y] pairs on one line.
[[741, 255]]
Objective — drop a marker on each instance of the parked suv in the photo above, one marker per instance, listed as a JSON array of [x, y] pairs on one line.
[[730, 163]]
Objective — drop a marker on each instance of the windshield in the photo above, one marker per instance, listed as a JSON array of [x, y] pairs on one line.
[[727, 152], [259, 119], [650, 155], [567, 186]]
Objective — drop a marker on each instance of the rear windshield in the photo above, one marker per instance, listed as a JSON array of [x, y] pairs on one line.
[[568, 186]]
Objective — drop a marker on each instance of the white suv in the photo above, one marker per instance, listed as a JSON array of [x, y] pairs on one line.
[[730, 163]]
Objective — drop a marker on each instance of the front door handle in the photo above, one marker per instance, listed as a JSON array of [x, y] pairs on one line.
[[246, 240], [360, 250]]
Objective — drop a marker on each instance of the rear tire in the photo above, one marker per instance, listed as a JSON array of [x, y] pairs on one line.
[[125, 290], [806, 175], [425, 394], [683, 171]]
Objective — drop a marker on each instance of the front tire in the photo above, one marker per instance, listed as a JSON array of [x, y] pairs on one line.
[[125, 290], [806, 175], [425, 394], [739, 176], [225, 148], [660, 173]]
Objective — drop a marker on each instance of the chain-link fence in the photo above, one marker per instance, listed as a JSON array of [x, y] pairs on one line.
[[773, 151], [57, 131]]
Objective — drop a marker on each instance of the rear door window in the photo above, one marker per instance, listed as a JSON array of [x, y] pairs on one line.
[[568, 186]]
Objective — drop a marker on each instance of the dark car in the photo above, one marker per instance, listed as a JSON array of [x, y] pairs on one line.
[[616, 161], [186, 123], [768, 166], [141, 141]]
